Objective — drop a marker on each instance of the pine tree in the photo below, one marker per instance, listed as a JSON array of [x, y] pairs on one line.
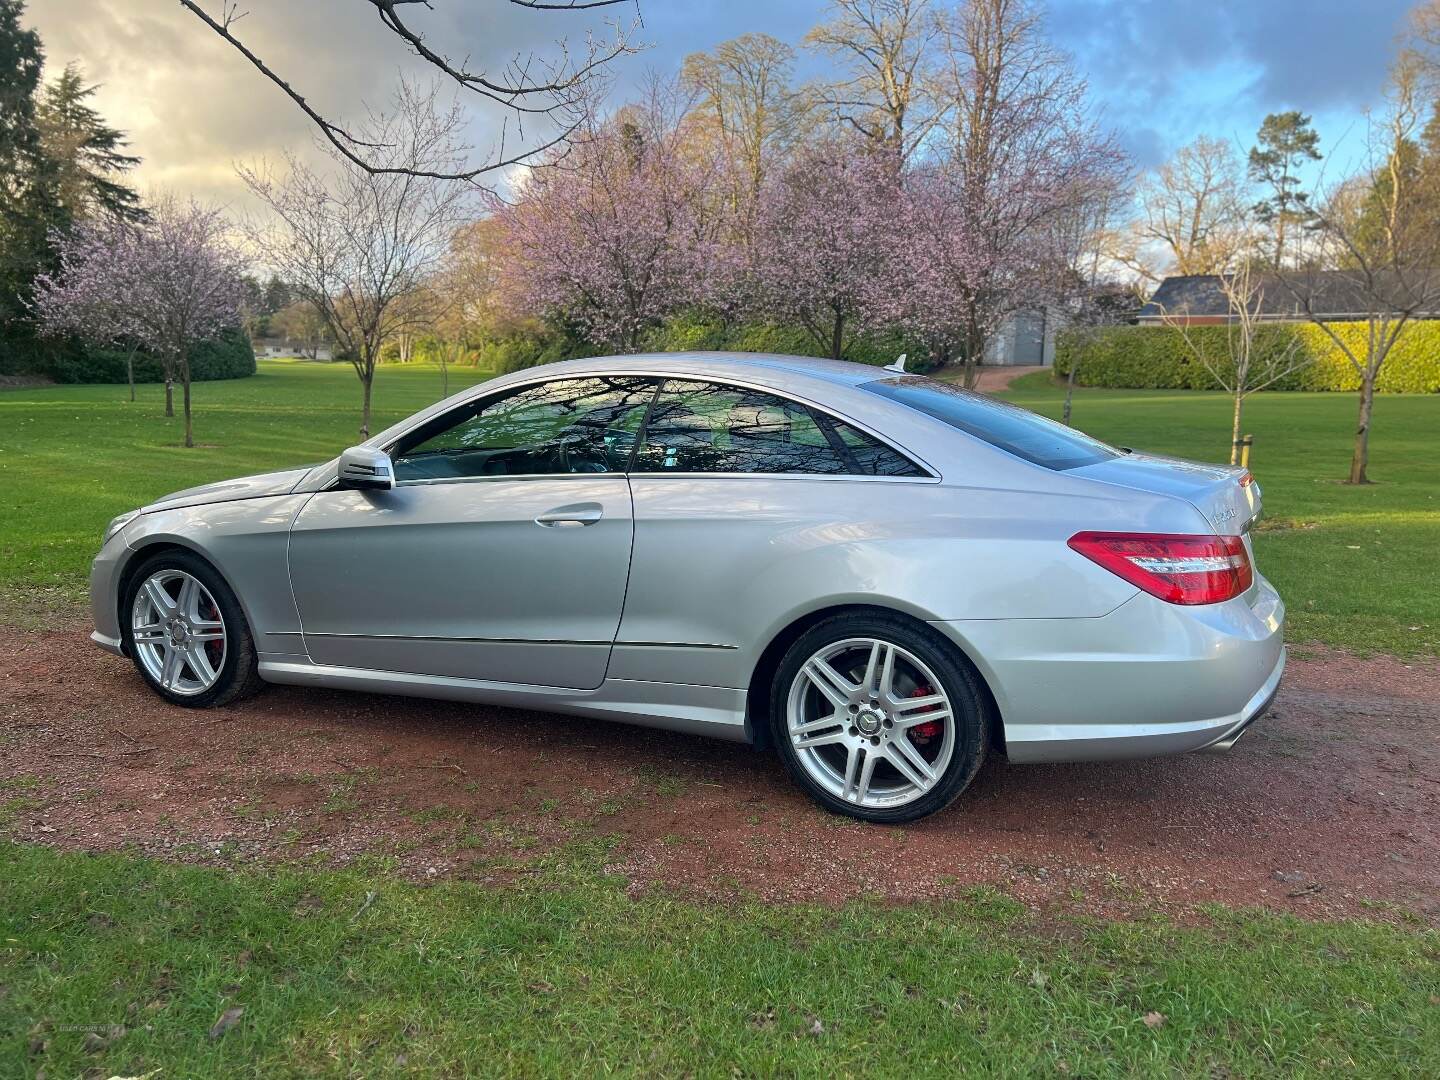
[[21, 58], [84, 153], [26, 204], [1286, 141]]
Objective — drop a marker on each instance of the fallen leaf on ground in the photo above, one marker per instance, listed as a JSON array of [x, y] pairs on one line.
[[228, 1019], [1155, 1019]]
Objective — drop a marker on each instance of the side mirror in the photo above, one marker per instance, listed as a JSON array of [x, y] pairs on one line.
[[365, 469]]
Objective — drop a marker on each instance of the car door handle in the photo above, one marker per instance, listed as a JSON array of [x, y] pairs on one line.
[[571, 517]]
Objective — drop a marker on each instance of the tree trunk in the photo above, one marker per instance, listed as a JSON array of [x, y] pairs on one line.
[[169, 395], [837, 337], [974, 349], [1069, 389], [1235, 430], [185, 391], [130, 372], [1361, 458], [367, 380]]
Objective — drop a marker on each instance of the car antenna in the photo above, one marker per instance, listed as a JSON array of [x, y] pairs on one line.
[[899, 364]]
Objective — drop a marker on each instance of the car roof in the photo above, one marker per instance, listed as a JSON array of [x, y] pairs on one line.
[[719, 364]]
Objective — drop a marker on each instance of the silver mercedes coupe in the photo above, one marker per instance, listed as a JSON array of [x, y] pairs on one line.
[[879, 575]]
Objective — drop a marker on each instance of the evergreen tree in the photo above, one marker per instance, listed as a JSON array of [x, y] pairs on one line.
[[84, 153], [1286, 141], [26, 202], [277, 295], [21, 58]]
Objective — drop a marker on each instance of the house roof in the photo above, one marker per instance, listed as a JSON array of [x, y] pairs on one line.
[[1336, 294]]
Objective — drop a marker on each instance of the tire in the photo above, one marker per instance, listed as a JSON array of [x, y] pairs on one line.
[[221, 676], [933, 700]]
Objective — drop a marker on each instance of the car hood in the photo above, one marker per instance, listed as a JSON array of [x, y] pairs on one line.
[[242, 487]]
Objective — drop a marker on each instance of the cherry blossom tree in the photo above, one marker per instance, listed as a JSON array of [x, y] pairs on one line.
[[825, 249], [81, 299], [1020, 152], [630, 230], [167, 283]]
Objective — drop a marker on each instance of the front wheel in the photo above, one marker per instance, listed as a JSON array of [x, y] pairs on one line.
[[186, 632], [876, 717]]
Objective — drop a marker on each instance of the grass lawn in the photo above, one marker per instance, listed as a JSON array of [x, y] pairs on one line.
[[568, 976], [118, 965], [1357, 566], [72, 457]]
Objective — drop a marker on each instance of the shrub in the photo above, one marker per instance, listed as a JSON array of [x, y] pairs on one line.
[[1158, 358], [1413, 366], [227, 357], [690, 332], [696, 333]]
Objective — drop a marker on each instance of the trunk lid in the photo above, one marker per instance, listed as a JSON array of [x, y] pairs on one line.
[[1229, 501]]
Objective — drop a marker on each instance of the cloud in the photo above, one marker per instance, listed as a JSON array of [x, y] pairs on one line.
[[1163, 70], [1168, 70], [192, 105]]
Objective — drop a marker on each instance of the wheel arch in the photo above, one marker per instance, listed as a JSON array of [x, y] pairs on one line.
[[158, 546], [757, 695]]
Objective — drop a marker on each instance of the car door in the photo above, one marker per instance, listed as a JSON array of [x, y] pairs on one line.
[[501, 553], [736, 489]]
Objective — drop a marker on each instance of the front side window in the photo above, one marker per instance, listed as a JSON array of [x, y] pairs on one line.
[[566, 426], [1021, 432], [708, 427]]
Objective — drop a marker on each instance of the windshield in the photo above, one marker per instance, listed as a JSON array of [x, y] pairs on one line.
[[1019, 431]]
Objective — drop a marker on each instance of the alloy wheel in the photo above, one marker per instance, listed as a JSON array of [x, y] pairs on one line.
[[178, 633], [870, 723]]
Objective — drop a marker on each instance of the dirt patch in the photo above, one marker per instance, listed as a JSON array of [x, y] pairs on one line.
[[1329, 806], [992, 380]]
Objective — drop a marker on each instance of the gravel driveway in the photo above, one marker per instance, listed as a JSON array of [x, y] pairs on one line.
[[1329, 806]]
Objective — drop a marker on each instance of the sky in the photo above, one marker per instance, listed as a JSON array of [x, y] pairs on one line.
[[1161, 71]]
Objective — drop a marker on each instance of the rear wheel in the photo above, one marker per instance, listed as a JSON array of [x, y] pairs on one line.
[[876, 717], [186, 633]]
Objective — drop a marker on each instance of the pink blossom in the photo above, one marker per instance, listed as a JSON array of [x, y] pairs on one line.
[[165, 283]]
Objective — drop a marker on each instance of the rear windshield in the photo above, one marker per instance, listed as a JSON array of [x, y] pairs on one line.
[[1020, 431]]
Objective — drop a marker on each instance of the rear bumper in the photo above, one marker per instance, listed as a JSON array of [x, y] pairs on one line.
[[1146, 680]]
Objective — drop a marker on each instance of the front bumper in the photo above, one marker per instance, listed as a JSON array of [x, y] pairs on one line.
[[1148, 679], [105, 594]]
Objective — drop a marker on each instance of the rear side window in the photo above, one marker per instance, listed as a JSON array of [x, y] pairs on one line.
[[699, 427], [704, 427], [1021, 432], [870, 457]]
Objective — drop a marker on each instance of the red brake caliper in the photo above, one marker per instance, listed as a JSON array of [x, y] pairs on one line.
[[214, 649], [930, 728]]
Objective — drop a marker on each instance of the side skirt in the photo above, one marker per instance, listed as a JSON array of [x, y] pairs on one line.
[[716, 712]]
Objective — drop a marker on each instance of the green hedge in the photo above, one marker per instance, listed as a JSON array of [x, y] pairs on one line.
[[227, 357], [1158, 357], [693, 333], [686, 333]]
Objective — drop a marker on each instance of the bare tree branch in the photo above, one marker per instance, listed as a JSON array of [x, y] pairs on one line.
[[560, 92], [1375, 253]]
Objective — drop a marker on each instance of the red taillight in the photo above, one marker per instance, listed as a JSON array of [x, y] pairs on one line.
[[1177, 569]]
